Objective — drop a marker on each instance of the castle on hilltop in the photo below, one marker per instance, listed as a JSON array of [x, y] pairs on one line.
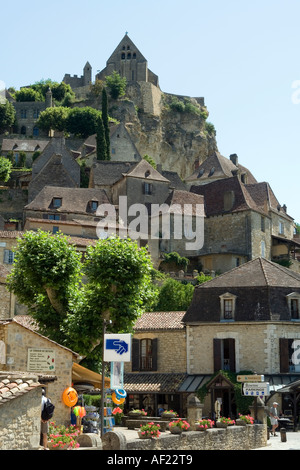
[[126, 60]]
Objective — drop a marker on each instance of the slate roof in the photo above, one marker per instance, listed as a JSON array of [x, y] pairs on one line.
[[140, 169], [153, 382], [260, 287], [259, 272], [175, 180], [24, 145], [160, 321], [258, 197], [14, 384], [74, 200], [218, 166], [108, 173]]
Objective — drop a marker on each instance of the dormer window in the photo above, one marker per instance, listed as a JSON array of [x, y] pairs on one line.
[[57, 201], [227, 306], [147, 174], [293, 300], [94, 205]]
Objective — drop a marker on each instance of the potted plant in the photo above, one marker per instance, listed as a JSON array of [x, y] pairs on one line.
[[176, 427], [243, 420], [224, 422], [149, 431], [118, 414], [169, 414], [62, 437], [204, 424], [135, 413]]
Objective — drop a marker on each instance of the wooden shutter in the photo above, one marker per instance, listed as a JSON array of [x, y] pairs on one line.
[[154, 354], [217, 355], [284, 354], [135, 354], [231, 342]]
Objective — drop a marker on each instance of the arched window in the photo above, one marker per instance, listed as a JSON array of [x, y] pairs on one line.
[[35, 131], [123, 55]]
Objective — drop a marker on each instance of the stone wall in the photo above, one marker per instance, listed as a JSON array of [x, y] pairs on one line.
[[232, 438], [18, 340], [20, 421], [171, 353]]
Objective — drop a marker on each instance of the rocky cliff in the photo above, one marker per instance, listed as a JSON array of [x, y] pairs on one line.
[[172, 129]]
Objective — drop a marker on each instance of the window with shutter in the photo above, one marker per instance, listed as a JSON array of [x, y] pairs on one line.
[[8, 257]]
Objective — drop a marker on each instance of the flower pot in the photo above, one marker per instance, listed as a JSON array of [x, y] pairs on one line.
[[144, 436], [175, 430], [168, 415], [199, 428], [134, 414], [219, 424], [240, 422]]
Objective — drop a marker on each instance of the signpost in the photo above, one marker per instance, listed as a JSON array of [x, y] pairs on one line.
[[256, 389], [250, 378]]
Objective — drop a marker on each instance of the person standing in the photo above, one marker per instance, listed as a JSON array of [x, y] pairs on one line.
[[274, 418], [47, 410]]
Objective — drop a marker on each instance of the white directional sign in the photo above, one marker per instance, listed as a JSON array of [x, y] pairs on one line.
[[256, 389], [117, 347]]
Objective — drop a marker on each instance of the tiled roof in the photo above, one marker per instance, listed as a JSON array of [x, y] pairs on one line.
[[153, 382], [14, 384], [160, 321], [74, 200], [175, 180], [179, 199]]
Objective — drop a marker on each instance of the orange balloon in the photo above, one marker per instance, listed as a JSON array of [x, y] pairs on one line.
[[70, 397]]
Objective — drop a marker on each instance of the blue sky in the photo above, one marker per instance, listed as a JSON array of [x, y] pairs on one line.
[[242, 57]]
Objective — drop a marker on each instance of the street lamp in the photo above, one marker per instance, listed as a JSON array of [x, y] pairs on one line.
[[105, 322]]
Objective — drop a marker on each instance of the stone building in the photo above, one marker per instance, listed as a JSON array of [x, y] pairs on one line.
[[55, 166], [20, 411], [28, 146], [77, 82], [27, 114], [128, 62], [24, 349], [6, 298], [158, 366], [245, 320], [122, 147], [243, 221]]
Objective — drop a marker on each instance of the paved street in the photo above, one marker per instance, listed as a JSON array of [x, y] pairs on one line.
[[292, 442]]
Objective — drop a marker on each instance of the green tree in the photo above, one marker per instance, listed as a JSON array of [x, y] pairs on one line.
[[7, 116], [47, 277], [59, 90], [106, 122], [82, 121], [100, 141], [5, 169], [150, 160], [53, 118], [116, 85], [174, 296], [28, 94]]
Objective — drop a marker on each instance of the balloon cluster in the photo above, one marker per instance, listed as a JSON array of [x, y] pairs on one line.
[[79, 411]]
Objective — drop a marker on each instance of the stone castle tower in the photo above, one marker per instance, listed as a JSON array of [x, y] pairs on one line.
[[128, 62], [78, 82]]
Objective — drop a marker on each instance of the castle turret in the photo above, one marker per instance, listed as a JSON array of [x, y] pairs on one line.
[[87, 74]]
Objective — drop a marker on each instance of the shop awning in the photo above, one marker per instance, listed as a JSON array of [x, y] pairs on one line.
[[83, 375], [193, 382], [153, 383]]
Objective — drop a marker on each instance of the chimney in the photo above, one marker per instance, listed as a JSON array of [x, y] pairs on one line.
[[234, 158], [284, 208]]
